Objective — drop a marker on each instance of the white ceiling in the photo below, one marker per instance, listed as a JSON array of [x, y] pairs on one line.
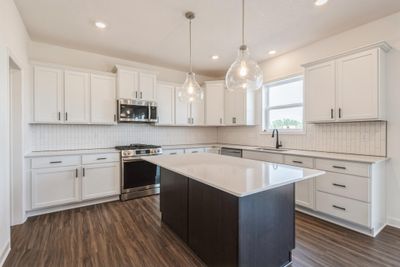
[[156, 31]]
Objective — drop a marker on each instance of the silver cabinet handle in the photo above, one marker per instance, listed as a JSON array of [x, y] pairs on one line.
[[195, 152], [141, 95], [173, 153], [331, 113], [59, 116], [115, 117], [338, 207], [188, 120], [83, 172], [136, 94], [297, 161], [101, 158], [339, 167], [192, 120], [55, 162], [76, 173], [66, 116], [340, 113], [339, 185]]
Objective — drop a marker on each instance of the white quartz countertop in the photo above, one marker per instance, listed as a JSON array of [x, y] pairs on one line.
[[305, 153], [50, 153], [236, 176]]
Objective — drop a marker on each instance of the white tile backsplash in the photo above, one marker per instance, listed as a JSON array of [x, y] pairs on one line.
[[367, 138], [60, 137]]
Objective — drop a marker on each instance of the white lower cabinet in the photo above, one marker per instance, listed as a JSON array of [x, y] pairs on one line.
[[100, 180], [55, 186]]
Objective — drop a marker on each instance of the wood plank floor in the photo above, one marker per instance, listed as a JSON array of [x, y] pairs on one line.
[[130, 234]]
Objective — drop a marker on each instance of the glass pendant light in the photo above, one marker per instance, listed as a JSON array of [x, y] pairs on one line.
[[244, 73], [191, 90]]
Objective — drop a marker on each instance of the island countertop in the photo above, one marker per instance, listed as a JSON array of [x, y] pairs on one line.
[[236, 176]]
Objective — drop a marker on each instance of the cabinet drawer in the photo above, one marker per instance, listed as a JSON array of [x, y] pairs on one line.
[[360, 169], [194, 150], [263, 156], [173, 151], [299, 161], [100, 158], [50, 162], [345, 185], [344, 208]]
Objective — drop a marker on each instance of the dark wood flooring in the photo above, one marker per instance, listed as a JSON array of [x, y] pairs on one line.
[[130, 234]]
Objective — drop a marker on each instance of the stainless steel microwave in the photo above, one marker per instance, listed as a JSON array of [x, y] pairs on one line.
[[130, 110]]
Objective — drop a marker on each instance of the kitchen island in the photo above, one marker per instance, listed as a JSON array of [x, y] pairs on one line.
[[231, 211]]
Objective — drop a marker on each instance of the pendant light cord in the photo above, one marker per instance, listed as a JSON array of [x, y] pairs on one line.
[[190, 45], [242, 22]]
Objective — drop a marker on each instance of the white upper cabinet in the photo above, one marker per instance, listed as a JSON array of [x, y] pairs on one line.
[[128, 84], [358, 87], [48, 95], [320, 92], [103, 100], [165, 103], [239, 107], [147, 86], [136, 84], [182, 111], [347, 87], [73, 96], [197, 113], [77, 97], [214, 102]]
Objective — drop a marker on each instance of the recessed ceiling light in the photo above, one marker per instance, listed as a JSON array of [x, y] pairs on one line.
[[320, 2], [100, 24], [272, 52], [214, 57]]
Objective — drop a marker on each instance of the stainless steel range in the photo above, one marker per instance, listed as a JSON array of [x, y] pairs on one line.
[[138, 177]]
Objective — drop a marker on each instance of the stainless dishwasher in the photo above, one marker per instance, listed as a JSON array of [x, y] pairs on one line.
[[233, 152]]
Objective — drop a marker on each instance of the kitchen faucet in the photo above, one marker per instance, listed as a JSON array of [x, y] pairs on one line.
[[278, 144]]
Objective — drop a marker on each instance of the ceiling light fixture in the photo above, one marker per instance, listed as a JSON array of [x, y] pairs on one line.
[[100, 25], [244, 73], [272, 52], [320, 2], [214, 57], [190, 91]]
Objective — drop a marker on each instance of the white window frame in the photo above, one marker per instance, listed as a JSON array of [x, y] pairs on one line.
[[266, 108]]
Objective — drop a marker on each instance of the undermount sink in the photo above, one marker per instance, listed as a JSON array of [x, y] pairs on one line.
[[270, 149]]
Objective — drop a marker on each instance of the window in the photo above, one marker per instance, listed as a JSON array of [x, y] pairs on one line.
[[283, 105]]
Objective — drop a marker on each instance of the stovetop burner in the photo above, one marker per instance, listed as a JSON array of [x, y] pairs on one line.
[[136, 146]]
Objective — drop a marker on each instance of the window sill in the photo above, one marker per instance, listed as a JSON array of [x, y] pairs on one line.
[[286, 132]]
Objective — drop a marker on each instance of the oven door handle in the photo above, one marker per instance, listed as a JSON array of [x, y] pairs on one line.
[[131, 159]]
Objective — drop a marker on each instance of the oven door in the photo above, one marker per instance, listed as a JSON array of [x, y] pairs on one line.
[[128, 112], [138, 175]]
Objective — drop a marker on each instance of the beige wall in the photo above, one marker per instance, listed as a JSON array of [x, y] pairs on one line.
[[13, 41]]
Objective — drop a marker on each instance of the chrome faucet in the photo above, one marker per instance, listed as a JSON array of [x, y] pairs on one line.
[[278, 144]]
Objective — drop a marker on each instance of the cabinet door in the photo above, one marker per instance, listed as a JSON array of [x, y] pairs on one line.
[[100, 180], [103, 102], [197, 113], [305, 193], [147, 86], [54, 186], [48, 95], [229, 107], [165, 104], [240, 107], [77, 97], [214, 104], [182, 111], [358, 85], [128, 84], [320, 92]]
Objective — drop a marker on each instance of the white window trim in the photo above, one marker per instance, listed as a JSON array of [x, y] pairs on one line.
[[266, 109]]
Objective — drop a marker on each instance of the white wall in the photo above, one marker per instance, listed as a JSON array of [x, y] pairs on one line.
[[13, 41], [386, 29]]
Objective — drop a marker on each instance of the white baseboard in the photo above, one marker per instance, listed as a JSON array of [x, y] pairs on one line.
[[395, 222], [4, 253]]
